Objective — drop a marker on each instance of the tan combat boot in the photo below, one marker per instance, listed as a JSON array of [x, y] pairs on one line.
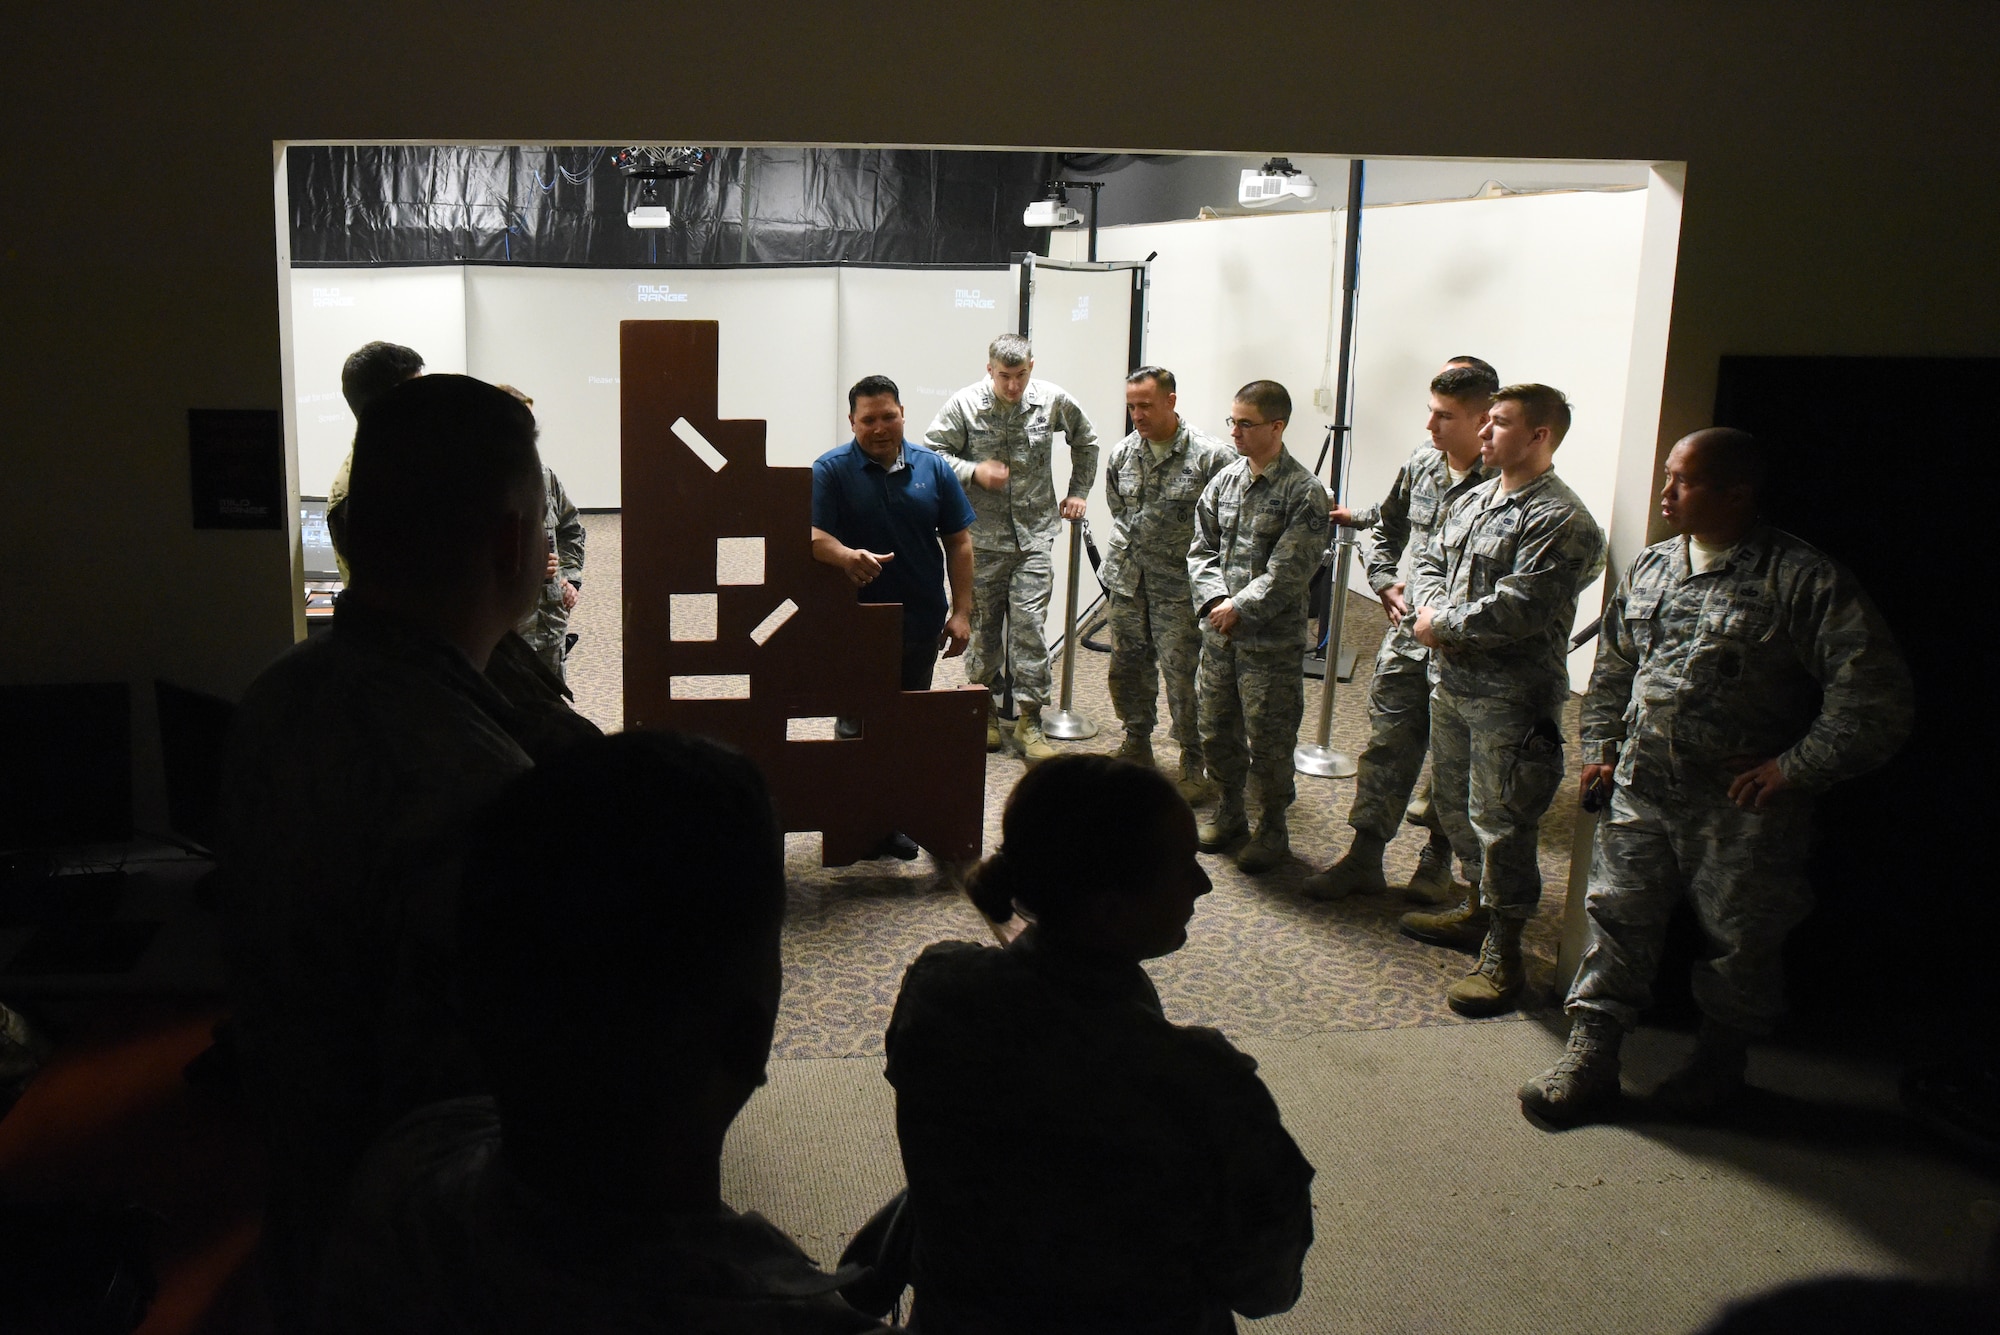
[[1358, 872], [993, 739], [1461, 928], [1137, 748], [1495, 985], [1583, 1085], [1028, 739], [1431, 883], [1193, 782], [1713, 1078], [1219, 833], [1269, 849]]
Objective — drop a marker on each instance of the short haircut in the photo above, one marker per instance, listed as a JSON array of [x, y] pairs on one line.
[[1464, 383], [1541, 405], [1159, 374], [1733, 458], [1076, 827], [527, 400], [373, 369], [1484, 367], [1009, 350], [435, 460], [1267, 397], [870, 385], [594, 964]]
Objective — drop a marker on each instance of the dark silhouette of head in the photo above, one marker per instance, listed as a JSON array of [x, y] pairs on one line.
[[446, 498], [373, 369], [618, 936], [1096, 849]]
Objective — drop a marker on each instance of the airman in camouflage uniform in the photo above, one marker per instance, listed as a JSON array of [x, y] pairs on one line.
[[546, 627], [1739, 671], [999, 436], [1155, 477], [1260, 531], [1399, 695], [1496, 593]]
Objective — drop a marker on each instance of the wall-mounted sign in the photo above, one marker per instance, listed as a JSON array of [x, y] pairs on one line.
[[236, 467]]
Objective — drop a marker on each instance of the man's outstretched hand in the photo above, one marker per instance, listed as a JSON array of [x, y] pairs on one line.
[[861, 567]]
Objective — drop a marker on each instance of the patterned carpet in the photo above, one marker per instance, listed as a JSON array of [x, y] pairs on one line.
[[1261, 958]]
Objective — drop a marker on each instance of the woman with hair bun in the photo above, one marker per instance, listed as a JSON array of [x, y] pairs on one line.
[[1075, 1162]]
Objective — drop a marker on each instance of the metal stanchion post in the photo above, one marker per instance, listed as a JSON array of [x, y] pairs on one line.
[[1066, 725], [1317, 757]]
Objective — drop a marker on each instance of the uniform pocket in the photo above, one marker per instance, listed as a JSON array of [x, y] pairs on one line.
[[1534, 771]]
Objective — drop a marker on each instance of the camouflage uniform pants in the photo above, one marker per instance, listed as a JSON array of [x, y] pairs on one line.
[[1010, 597], [1399, 732], [1251, 704], [1151, 636], [1743, 873], [545, 628], [1495, 767]]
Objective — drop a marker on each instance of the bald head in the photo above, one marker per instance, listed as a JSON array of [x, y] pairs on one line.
[[1726, 456], [1710, 489]]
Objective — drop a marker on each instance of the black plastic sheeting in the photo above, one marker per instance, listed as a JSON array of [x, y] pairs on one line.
[[359, 205]]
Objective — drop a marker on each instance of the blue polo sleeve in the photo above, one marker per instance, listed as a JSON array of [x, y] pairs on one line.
[[826, 495], [954, 508]]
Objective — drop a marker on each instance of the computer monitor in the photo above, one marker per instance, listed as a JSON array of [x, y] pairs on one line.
[[66, 776], [194, 736], [316, 540]]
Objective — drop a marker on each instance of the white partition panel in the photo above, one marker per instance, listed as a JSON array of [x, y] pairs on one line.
[[1081, 325], [926, 329], [1542, 286], [335, 311], [554, 334]]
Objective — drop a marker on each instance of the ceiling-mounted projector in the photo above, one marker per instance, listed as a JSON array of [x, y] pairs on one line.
[[1275, 180], [649, 215], [1049, 213]]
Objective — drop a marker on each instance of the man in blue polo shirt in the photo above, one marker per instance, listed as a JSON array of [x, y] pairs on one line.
[[891, 516]]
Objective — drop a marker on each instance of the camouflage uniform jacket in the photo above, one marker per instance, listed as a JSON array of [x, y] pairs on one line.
[[1501, 581], [976, 424], [1775, 651], [560, 518], [1152, 508], [545, 625], [1405, 521], [1257, 541]]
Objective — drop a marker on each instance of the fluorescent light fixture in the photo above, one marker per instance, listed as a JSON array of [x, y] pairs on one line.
[[649, 215], [1049, 213]]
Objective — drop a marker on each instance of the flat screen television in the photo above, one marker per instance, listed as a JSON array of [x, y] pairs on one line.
[[65, 765]]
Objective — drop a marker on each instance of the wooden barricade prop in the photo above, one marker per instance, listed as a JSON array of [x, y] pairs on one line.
[[732, 630]]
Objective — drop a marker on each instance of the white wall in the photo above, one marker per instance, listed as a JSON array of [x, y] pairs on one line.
[[553, 333], [793, 340], [335, 311], [1542, 286], [926, 329], [1081, 324]]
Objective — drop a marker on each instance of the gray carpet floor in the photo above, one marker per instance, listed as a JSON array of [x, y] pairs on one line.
[[1439, 1207]]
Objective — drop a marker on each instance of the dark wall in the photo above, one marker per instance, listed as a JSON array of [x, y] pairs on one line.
[[1880, 465], [353, 204]]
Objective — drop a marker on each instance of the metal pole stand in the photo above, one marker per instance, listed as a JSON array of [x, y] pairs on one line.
[[1066, 725], [1317, 757]]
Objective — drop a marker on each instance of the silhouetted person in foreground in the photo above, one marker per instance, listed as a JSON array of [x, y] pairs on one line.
[[1075, 1162], [356, 759], [1862, 1305], [621, 990]]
